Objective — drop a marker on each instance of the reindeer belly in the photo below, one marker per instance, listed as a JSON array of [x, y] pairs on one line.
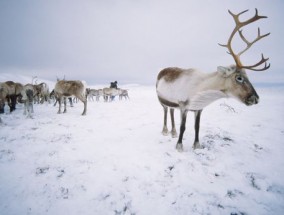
[[173, 95]]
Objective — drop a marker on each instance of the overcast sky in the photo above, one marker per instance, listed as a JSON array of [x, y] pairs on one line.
[[132, 40]]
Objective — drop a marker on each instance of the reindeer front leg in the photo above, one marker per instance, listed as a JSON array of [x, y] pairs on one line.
[[59, 100], [179, 145], [197, 115], [25, 107], [65, 104]]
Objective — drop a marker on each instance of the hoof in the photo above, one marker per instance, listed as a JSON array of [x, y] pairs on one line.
[[197, 146], [179, 147], [174, 134], [165, 131]]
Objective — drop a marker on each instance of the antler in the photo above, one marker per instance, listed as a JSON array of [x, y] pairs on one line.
[[237, 28]]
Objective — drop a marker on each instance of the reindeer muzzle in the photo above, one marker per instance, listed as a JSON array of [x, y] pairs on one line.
[[252, 100]]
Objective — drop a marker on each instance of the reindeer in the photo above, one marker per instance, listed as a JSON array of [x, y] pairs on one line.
[[28, 97], [9, 91], [110, 93], [93, 92], [41, 93], [192, 90], [123, 94], [54, 98], [68, 88]]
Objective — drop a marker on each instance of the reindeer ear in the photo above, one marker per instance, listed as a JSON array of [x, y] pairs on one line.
[[225, 71]]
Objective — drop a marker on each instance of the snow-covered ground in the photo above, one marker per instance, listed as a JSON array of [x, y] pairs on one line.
[[115, 160]]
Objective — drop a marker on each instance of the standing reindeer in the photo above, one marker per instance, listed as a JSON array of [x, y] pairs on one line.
[[192, 90], [28, 97], [9, 92], [68, 88], [123, 94], [110, 93], [41, 93]]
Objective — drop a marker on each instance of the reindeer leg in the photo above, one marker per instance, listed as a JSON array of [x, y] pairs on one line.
[[65, 104], [70, 101], [25, 108], [13, 103], [165, 128], [173, 132], [59, 100], [179, 145], [32, 107], [85, 107], [84, 100], [197, 115], [29, 109]]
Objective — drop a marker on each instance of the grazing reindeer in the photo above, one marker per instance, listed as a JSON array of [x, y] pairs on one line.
[[9, 91], [27, 97], [93, 92], [192, 90], [123, 94], [110, 93], [41, 93], [53, 97], [68, 88]]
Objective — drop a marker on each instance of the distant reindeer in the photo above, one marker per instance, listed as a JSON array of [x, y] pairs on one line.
[[68, 88], [41, 93], [93, 92], [123, 94], [192, 90], [28, 97], [9, 92], [110, 93]]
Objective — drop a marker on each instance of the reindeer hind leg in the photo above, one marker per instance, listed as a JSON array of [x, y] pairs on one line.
[[84, 100], [173, 131], [165, 127]]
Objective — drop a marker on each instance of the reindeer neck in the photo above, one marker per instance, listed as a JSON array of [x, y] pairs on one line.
[[212, 81]]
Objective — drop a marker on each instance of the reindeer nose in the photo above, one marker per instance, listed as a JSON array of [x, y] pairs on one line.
[[254, 99]]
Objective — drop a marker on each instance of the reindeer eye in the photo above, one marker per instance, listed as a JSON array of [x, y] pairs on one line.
[[240, 79]]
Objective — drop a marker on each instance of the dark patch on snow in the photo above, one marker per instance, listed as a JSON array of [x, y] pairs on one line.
[[125, 210], [252, 179], [257, 148], [61, 173], [210, 139], [6, 155], [234, 193], [42, 170], [64, 193], [276, 189]]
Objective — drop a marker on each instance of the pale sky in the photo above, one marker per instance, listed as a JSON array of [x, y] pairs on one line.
[[132, 40]]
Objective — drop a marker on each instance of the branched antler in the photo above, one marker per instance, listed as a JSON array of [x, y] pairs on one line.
[[237, 28]]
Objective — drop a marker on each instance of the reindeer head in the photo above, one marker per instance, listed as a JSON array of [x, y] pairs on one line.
[[238, 83]]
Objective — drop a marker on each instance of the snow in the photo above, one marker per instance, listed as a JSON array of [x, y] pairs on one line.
[[115, 160]]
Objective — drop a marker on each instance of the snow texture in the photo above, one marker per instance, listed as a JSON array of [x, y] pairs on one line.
[[115, 160]]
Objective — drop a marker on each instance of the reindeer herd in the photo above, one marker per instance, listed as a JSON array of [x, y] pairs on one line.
[[176, 88], [12, 93]]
